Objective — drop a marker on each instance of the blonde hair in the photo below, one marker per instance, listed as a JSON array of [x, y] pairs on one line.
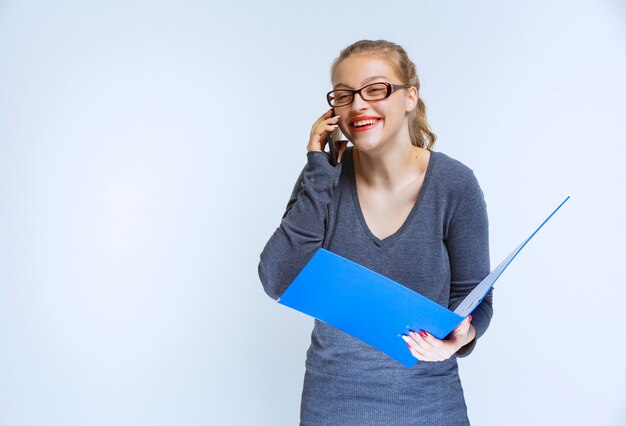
[[396, 56]]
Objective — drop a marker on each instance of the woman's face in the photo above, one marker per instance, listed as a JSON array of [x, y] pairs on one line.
[[391, 125]]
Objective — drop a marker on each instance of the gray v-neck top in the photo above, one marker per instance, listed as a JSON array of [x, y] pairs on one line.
[[441, 251]]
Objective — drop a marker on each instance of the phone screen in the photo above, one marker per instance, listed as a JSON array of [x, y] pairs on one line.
[[333, 137]]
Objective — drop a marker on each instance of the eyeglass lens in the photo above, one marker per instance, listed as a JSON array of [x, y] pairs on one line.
[[371, 92]]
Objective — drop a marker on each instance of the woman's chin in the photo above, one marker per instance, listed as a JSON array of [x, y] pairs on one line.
[[366, 145]]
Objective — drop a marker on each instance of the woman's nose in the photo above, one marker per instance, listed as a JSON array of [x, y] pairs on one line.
[[358, 103]]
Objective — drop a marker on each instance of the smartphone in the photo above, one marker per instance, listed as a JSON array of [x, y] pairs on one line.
[[334, 136]]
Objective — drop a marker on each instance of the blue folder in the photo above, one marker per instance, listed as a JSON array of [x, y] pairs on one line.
[[376, 309]]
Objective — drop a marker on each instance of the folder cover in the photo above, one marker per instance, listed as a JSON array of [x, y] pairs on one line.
[[376, 309]]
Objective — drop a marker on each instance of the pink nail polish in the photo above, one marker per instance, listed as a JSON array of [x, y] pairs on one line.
[[423, 334]]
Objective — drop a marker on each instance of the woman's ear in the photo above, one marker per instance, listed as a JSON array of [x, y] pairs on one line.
[[411, 99]]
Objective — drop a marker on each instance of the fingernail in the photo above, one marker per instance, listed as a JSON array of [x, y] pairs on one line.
[[407, 340], [423, 334]]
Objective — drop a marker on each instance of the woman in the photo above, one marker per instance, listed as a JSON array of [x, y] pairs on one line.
[[394, 206]]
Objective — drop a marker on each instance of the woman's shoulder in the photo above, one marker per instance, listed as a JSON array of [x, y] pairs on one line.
[[455, 184], [454, 173]]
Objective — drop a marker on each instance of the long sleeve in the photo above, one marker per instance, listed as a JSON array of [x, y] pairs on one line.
[[468, 251], [302, 228]]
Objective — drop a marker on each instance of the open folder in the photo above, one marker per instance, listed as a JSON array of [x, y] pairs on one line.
[[376, 309]]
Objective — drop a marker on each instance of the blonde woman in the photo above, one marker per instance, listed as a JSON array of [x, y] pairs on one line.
[[396, 206]]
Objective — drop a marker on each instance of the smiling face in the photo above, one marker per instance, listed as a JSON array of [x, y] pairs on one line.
[[373, 125]]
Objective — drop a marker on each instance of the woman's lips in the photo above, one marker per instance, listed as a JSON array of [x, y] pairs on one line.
[[366, 127]]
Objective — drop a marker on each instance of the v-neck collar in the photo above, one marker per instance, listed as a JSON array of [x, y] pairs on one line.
[[357, 206]]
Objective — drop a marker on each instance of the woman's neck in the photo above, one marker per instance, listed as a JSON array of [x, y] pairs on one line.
[[392, 168]]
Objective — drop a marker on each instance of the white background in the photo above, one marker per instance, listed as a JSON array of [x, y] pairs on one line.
[[148, 150]]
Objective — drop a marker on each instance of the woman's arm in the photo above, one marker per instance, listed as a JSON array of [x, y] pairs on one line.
[[302, 228], [468, 251], [467, 242]]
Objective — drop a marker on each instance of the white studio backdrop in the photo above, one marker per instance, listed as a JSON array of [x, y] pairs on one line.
[[148, 150]]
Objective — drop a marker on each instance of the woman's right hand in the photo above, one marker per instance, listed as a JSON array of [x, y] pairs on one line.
[[319, 134]]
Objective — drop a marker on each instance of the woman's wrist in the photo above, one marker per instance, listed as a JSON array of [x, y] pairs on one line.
[[471, 335], [469, 342]]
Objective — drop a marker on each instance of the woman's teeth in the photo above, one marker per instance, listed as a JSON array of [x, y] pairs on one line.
[[364, 123]]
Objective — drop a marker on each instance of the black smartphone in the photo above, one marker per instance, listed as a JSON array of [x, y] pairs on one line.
[[333, 136]]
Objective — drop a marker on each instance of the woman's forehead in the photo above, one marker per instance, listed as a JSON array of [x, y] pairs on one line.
[[356, 71]]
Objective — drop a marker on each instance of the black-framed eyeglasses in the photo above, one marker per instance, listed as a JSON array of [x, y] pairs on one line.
[[371, 92]]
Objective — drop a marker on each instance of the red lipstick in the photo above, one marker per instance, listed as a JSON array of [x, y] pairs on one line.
[[366, 127]]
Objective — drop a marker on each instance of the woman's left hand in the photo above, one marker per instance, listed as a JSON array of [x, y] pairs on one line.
[[426, 347]]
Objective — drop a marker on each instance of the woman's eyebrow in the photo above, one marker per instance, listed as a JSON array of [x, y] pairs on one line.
[[362, 83]]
